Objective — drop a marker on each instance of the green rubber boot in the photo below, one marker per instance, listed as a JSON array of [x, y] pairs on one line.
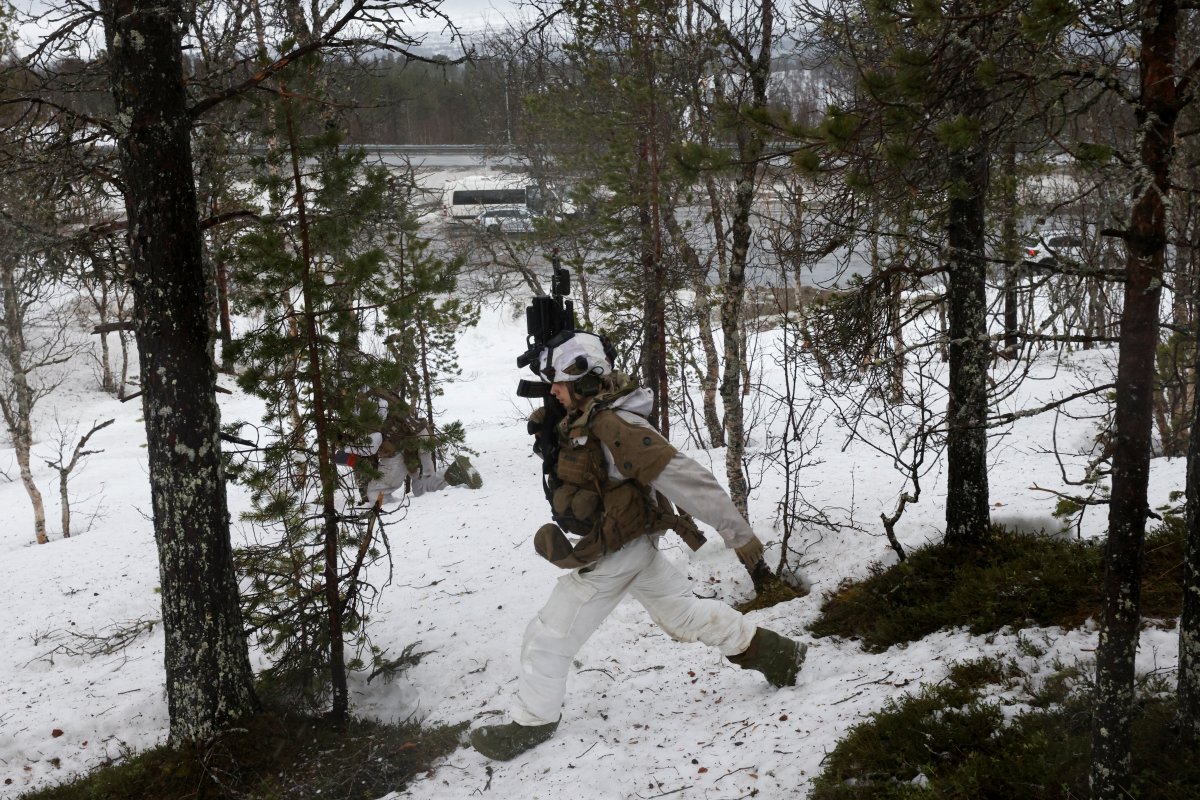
[[506, 742], [777, 657], [462, 472]]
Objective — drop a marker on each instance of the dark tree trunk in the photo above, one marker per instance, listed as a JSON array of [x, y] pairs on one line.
[[654, 284], [1189, 623], [653, 313], [732, 310], [967, 515], [225, 325], [1156, 115], [659, 326], [209, 680], [1012, 254]]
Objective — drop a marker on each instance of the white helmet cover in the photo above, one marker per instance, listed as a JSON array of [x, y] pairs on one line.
[[579, 355]]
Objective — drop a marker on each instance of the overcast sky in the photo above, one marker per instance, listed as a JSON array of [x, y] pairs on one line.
[[472, 14], [469, 15]]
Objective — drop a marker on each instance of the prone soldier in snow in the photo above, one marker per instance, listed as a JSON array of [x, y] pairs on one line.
[[398, 455]]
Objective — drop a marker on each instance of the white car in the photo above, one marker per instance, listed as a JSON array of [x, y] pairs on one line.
[[505, 220], [1053, 246]]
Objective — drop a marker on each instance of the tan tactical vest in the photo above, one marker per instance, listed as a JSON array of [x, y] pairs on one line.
[[608, 513]]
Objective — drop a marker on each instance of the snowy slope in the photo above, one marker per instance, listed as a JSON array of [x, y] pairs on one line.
[[645, 716]]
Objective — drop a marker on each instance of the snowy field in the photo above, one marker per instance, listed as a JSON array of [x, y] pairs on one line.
[[645, 717]]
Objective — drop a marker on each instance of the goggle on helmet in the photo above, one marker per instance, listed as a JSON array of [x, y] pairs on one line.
[[570, 355]]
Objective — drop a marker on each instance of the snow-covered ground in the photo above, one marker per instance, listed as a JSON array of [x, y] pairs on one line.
[[645, 716]]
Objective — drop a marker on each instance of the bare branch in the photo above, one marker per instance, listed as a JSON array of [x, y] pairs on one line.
[[1003, 419], [358, 11]]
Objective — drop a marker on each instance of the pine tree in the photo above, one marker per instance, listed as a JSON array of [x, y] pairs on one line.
[[329, 281], [935, 90]]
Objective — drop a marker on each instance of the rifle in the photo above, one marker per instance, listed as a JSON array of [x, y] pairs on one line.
[[545, 318]]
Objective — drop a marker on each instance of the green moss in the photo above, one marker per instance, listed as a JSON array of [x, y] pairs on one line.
[[274, 756], [1008, 580], [950, 742], [979, 673], [919, 735]]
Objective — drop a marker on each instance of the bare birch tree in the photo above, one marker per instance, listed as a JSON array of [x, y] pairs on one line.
[[64, 466], [36, 335]]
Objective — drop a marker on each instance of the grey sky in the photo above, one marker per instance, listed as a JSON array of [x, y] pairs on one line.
[[469, 15], [472, 14]]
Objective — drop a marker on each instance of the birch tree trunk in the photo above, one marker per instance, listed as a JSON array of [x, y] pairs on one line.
[[750, 149], [208, 677], [18, 398], [64, 469], [750, 146], [710, 380], [733, 350], [710, 375]]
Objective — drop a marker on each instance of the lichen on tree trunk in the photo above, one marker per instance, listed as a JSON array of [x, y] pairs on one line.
[[208, 675], [967, 514]]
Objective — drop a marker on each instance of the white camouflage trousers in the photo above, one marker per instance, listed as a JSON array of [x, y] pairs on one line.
[[393, 471], [584, 597]]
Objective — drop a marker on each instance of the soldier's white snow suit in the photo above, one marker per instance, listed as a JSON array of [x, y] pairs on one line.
[[584, 597]]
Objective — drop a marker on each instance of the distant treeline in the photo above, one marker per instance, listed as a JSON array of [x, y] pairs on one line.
[[393, 102]]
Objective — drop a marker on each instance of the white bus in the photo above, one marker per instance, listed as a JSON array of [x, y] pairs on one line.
[[464, 199]]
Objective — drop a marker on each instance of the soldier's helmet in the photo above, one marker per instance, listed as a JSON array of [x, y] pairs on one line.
[[572, 354]]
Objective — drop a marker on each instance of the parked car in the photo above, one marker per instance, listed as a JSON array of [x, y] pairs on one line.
[[1053, 246], [505, 220]]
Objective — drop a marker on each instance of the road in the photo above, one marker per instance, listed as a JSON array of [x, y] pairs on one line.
[[435, 165]]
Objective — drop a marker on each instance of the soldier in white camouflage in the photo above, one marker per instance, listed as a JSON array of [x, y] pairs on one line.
[[615, 487], [398, 457]]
